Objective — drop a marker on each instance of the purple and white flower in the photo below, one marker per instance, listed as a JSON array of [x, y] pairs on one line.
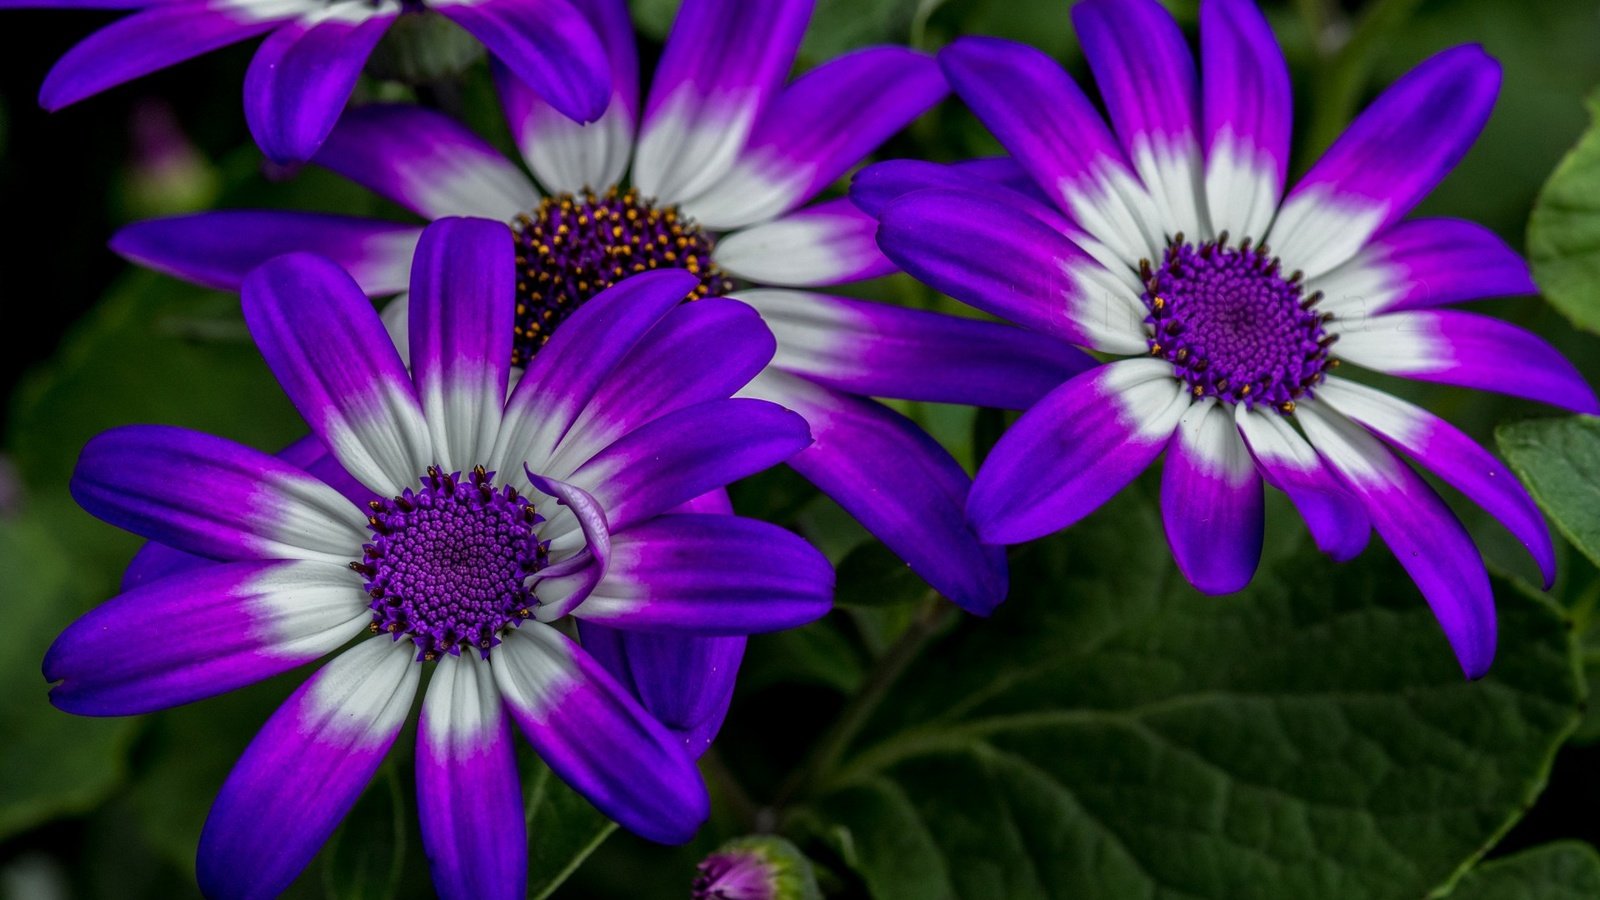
[[467, 521], [716, 176], [1168, 241], [306, 69]]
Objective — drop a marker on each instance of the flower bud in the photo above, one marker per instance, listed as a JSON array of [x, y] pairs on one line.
[[756, 868]]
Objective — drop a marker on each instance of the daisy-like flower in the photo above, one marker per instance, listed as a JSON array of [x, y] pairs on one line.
[[716, 179], [1169, 242], [465, 525], [306, 69]]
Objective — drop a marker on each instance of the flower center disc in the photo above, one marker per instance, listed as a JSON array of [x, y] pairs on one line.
[[447, 564], [1232, 326], [575, 246]]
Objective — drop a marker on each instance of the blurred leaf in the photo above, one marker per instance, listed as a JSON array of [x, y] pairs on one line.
[[186, 755], [836, 27], [653, 18], [563, 829], [156, 350], [839, 26], [1559, 460], [1564, 231], [51, 763], [1111, 733], [364, 858], [422, 49], [1564, 871], [1548, 70]]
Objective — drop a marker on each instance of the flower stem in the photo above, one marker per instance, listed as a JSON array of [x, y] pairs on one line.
[[830, 749]]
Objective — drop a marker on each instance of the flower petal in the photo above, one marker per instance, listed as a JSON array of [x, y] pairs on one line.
[[201, 633], [566, 155], [209, 496], [1387, 160], [816, 129], [597, 738], [153, 39], [722, 63], [875, 186], [548, 44], [898, 483], [987, 253], [687, 453], [1248, 107], [878, 350], [427, 162], [304, 73], [1147, 77], [1426, 538], [323, 341], [1423, 263], [582, 544], [1457, 459], [577, 360], [463, 287], [829, 243], [155, 561], [218, 249], [1074, 449], [685, 681], [710, 575], [469, 798], [304, 771], [669, 370], [1465, 349], [1335, 517], [1046, 123], [1211, 501]]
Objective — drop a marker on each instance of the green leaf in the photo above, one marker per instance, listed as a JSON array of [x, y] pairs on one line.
[[563, 829], [1566, 871], [1564, 231], [1110, 733], [1559, 461], [51, 763]]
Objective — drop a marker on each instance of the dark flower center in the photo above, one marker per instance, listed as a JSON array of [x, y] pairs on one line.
[[575, 246], [1233, 326], [447, 564]]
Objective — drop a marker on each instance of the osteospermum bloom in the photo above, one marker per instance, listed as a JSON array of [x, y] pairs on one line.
[[715, 177], [1171, 245], [464, 524], [306, 69]]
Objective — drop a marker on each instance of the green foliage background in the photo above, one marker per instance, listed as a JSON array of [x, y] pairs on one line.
[[1108, 734]]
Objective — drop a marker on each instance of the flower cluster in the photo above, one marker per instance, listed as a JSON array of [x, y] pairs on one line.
[[1168, 243], [514, 483]]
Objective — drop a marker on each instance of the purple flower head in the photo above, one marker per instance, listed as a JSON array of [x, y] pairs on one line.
[[1167, 241], [458, 525], [717, 176], [306, 69]]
